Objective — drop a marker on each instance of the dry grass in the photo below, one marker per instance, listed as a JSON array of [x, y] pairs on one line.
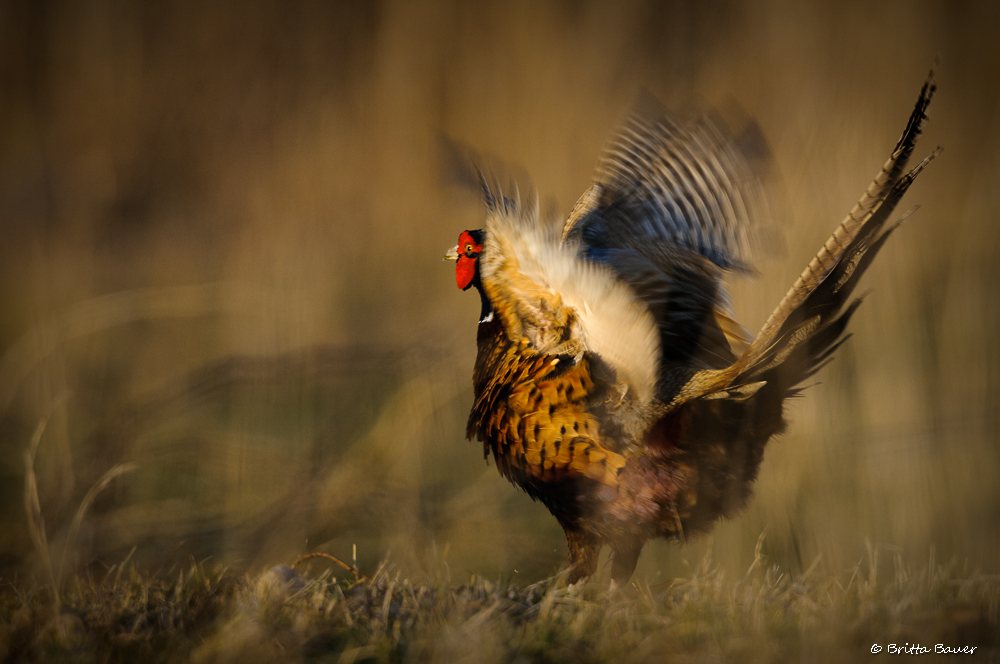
[[202, 614]]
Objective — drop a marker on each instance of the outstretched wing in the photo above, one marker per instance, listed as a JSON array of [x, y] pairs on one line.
[[546, 293], [674, 186], [672, 206]]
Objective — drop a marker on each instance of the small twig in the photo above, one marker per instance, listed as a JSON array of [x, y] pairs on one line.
[[334, 559]]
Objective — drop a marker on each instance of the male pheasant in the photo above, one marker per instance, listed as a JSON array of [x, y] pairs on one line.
[[610, 382]]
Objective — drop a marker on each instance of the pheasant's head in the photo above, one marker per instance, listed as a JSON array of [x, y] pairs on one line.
[[466, 257]]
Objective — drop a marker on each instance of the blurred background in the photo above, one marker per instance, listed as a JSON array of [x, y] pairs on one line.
[[221, 260]]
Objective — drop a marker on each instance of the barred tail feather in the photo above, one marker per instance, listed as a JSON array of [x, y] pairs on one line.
[[817, 319], [876, 199]]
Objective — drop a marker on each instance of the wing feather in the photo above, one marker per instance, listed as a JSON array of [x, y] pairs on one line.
[[693, 186]]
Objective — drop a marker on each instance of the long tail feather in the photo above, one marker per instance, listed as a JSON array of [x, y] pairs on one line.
[[877, 198]]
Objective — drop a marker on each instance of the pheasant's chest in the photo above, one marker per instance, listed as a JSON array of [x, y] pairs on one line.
[[533, 415]]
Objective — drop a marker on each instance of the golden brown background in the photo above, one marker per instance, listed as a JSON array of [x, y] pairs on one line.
[[222, 232]]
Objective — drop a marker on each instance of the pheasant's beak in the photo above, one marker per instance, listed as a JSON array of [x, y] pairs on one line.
[[452, 254]]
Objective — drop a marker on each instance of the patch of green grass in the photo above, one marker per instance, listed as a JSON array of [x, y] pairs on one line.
[[206, 615]]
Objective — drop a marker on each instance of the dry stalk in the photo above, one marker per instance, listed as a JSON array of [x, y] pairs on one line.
[[85, 504], [33, 507], [335, 559]]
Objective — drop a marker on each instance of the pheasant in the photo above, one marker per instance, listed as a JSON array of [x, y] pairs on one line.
[[611, 382]]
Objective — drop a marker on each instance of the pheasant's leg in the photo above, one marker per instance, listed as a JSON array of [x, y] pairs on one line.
[[583, 551], [623, 560]]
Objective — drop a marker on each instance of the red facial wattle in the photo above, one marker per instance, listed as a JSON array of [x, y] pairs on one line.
[[465, 271], [468, 253]]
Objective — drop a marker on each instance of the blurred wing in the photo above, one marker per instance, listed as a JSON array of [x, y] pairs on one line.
[[546, 293], [667, 185], [672, 206]]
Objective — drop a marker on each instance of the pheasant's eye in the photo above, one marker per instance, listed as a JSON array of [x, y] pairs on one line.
[[468, 249]]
